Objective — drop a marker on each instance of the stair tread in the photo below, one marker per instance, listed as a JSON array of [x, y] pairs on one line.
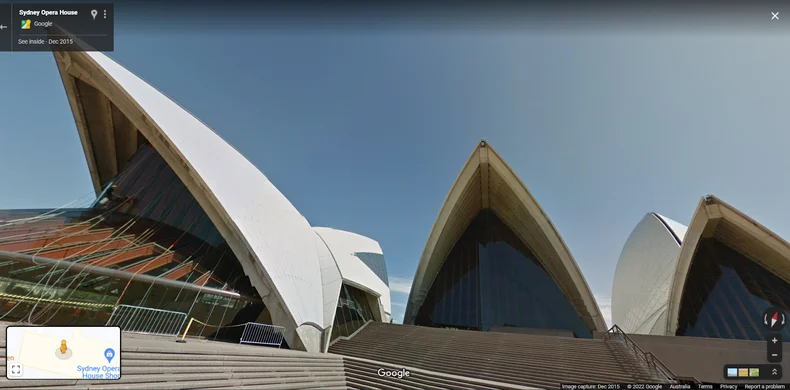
[[520, 359]]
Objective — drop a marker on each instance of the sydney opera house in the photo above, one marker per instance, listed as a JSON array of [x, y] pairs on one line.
[[182, 222], [495, 262], [713, 279]]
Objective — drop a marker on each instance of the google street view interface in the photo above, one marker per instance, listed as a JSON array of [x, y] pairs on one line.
[[395, 194]]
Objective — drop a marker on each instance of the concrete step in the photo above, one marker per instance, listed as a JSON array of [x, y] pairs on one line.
[[263, 377], [420, 380], [282, 374], [164, 378], [293, 386], [167, 347], [353, 370], [533, 370], [520, 353], [255, 369], [368, 383], [417, 380], [538, 360], [187, 379], [158, 365], [370, 380], [518, 359], [305, 382], [199, 357], [226, 363], [269, 383], [518, 348], [452, 367], [6, 383], [167, 385]]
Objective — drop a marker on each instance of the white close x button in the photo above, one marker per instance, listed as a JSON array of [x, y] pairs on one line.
[[774, 15]]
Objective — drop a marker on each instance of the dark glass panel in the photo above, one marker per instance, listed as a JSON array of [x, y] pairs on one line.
[[353, 311], [524, 295], [726, 293], [148, 188], [149, 193], [491, 279], [375, 261], [442, 306]]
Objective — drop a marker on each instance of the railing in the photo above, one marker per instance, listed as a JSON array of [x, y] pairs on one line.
[[655, 365], [122, 275], [139, 319], [262, 334]]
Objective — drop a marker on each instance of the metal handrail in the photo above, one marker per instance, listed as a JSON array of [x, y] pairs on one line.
[[647, 357], [123, 275], [147, 320], [262, 334]]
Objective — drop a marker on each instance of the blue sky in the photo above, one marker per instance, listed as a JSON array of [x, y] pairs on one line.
[[366, 130]]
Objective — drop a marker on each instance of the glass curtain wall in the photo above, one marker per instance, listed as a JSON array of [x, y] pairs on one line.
[[150, 192], [93, 306], [353, 311], [145, 222], [491, 279], [148, 188], [726, 294]]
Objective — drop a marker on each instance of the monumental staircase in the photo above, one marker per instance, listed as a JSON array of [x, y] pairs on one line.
[[505, 358]]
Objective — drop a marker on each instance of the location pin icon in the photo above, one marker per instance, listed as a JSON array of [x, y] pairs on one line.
[[94, 13], [109, 353]]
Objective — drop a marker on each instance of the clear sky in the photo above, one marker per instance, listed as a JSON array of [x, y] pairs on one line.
[[366, 129]]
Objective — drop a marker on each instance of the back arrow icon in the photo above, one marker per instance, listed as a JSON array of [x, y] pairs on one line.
[[3, 27]]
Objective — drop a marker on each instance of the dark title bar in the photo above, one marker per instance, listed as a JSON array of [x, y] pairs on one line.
[[57, 27], [665, 386]]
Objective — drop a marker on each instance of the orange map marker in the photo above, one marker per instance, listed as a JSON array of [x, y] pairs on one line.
[[63, 346]]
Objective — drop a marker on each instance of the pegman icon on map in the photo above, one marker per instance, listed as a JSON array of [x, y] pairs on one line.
[[63, 352]]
